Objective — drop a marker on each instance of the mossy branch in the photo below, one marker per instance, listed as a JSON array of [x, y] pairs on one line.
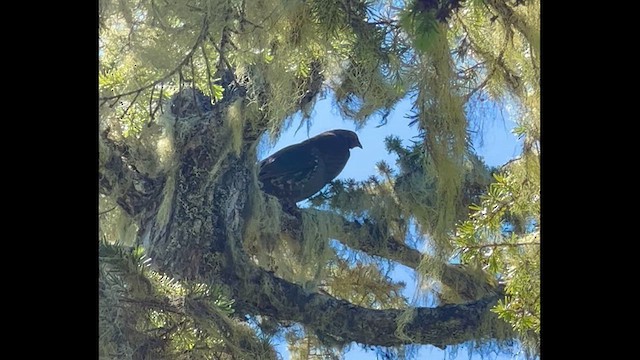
[[494, 246], [262, 293], [133, 189], [185, 60], [365, 237], [511, 18]]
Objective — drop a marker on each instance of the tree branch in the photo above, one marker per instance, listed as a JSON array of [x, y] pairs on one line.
[[106, 211], [493, 246], [364, 237], [134, 190], [262, 293], [187, 58], [511, 18]]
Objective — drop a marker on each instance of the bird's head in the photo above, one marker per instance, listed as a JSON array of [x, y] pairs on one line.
[[350, 136]]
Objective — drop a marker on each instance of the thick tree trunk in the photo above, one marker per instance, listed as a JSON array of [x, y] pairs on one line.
[[205, 224]]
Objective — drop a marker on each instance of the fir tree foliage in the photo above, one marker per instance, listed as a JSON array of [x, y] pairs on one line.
[[146, 314], [196, 262]]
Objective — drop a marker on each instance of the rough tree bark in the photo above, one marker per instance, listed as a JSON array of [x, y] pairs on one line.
[[201, 239]]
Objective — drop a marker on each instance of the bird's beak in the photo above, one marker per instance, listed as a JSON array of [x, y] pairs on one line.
[[359, 145]]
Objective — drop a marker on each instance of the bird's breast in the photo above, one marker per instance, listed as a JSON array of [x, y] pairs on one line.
[[334, 163]]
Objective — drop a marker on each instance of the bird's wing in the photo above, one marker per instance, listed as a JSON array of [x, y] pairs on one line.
[[293, 164]]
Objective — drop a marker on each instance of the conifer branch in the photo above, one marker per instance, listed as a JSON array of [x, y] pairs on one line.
[[364, 237], [262, 293], [117, 175], [223, 59], [154, 304], [187, 58], [494, 246], [208, 66], [496, 62], [511, 18]]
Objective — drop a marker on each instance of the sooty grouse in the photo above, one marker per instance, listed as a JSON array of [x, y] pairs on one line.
[[298, 171]]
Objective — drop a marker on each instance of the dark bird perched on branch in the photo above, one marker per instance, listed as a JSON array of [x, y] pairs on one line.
[[301, 170]]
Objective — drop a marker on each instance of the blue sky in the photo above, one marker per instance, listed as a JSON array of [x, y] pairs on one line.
[[493, 141]]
